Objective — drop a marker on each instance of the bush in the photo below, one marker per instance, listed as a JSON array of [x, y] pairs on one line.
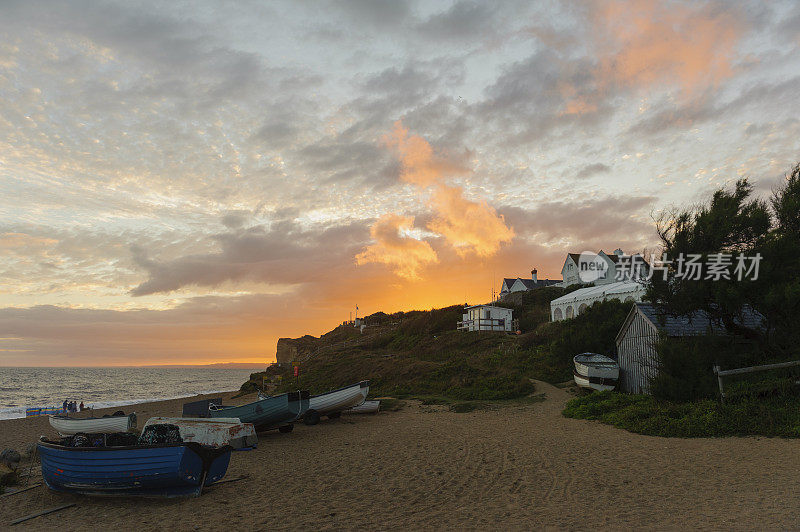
[[686, 365], [776, 416]]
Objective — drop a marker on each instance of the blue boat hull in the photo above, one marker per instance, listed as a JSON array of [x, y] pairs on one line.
[[270, 412], [169, 470]]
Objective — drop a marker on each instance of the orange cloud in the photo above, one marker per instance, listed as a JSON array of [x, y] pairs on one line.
[[468, 226], [643, 43], [420, 166], [576, 104], [404, 254]]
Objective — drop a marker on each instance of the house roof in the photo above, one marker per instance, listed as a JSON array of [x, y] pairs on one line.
[[488, 305], [612, 256], [576, 257], [695, 324], [508, 282], [530, 283], [593, 292]]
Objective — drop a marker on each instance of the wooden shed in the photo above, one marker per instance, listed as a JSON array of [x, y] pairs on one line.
[[636, 340]]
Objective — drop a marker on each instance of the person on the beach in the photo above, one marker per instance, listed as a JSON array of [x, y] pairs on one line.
[[64, 405], [80, 408]]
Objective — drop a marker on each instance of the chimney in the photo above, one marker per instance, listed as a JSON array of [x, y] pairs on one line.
[[533, 275], [618, 252]]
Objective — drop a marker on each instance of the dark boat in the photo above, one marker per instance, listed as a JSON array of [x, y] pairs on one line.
[[278, 411], [159, 470]]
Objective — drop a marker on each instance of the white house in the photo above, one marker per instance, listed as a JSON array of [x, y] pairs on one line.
[[486, 318], [575, 303], [600, 268]]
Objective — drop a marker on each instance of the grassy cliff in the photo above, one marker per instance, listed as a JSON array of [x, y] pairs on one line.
[[421, 354]]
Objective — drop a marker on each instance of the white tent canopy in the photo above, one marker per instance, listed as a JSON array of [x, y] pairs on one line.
[[572, 304]]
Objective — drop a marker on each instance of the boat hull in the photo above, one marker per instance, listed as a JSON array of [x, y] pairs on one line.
[[168, 470], [596, 372], [271, 412], [341, 399], [212, 432], [367, 407], [69, 426]]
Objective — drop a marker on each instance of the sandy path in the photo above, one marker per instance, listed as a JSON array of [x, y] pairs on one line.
[[423, 468]]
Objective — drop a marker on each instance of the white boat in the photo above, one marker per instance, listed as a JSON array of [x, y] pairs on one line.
[[367, 407], [341, 399], [214, 432], [594, 371], [68, 426]]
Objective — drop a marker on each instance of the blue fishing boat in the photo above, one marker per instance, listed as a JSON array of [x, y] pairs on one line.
[[160, 470], [278, 411]]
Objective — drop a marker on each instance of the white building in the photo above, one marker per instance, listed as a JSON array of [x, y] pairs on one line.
[[486, 318], [575, 303], [601, 268]]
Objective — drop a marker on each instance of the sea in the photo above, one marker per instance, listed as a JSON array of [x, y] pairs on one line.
[[22, 388]]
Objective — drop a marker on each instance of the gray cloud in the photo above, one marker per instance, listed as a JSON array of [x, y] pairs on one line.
[[592, 169], [282, 254], [605, 219]]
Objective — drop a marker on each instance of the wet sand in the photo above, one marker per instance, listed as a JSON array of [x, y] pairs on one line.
[[516, 467]]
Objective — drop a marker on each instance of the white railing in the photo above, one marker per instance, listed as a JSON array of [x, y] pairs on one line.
[[482, 324]]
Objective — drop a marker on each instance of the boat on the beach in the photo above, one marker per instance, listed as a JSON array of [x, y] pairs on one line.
[[160, 470], [279, 411], [67, 426], [367, 407], [332, 403], [594, 371], [199, 408], [213, 432]]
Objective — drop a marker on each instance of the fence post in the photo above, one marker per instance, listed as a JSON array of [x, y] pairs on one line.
[[719, 381]]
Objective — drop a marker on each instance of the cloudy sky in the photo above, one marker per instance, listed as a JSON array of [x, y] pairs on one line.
[[185, 183]]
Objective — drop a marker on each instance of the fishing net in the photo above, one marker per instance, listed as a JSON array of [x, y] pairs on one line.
[[160, 433]]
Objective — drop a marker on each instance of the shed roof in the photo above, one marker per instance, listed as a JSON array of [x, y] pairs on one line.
[[695, 324]]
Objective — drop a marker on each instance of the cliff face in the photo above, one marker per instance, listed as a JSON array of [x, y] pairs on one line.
[[290, 349]]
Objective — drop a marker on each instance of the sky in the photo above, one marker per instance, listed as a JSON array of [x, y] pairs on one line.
[[188, 182]]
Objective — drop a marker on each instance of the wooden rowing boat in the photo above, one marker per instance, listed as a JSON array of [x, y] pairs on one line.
[[68, 426], [367, 407], [594, 371], [271, 412], [160, 470]]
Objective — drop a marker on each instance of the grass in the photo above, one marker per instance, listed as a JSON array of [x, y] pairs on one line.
[[771, 416], [419, 354]]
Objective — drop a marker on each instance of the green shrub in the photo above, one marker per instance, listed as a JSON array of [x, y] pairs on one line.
[[776, 416]]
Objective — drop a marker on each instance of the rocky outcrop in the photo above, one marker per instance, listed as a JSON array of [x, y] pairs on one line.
[[291, 349]]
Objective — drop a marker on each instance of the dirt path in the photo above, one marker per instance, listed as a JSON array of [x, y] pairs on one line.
[[518, 467]]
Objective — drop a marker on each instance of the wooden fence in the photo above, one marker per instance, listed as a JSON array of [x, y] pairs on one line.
[[752, 369]]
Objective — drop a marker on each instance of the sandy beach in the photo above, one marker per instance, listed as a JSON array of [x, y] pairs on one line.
[[423, 467]]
